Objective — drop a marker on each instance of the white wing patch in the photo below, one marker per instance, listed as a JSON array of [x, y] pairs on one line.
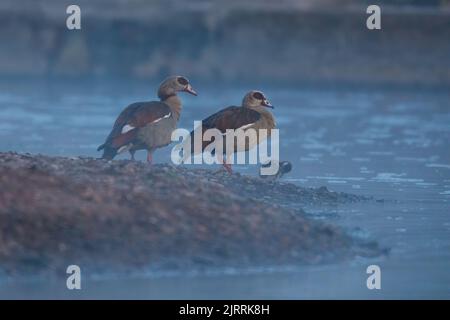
[[127, 128], [159, 119], [245, 126]]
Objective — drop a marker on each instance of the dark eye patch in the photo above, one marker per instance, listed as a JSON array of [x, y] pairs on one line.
[[182, 81], [258, 95]]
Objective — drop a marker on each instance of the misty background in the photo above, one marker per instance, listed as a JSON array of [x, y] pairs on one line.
[[288, 42]]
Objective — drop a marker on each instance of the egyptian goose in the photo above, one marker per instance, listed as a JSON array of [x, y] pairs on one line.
[[252, 113], [147, 125]]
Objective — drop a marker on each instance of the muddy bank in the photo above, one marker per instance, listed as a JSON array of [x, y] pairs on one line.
[[120, 216]]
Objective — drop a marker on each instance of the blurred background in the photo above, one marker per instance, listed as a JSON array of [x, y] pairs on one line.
[[359, 111]]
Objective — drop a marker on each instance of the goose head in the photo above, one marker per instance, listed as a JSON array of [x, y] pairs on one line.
[[174, 84], [255, 99]]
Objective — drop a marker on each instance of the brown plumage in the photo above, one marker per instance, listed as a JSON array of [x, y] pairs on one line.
[[252, 114], [147, 125]]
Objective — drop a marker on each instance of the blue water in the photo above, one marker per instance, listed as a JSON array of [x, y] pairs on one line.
[[390, 144]]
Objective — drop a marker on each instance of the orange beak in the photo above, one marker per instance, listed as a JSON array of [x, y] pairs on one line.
[[189, 89], [267, 104]]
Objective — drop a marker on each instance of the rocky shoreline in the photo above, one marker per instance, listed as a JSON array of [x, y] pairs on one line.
[[122, 216]]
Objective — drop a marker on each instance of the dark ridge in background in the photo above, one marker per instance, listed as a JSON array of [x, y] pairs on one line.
[[123, 215], [275, 43]]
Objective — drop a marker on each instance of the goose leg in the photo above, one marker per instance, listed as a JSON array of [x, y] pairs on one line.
[[132, 155], [226, 165], [149, 157]]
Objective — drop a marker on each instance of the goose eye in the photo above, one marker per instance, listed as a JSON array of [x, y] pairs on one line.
[[258, 96], [182, 81]]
